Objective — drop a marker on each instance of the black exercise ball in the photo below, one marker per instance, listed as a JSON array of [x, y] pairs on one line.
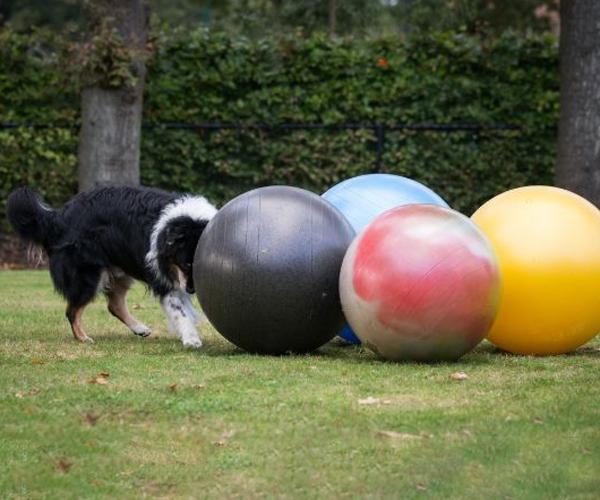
[[266, 270]]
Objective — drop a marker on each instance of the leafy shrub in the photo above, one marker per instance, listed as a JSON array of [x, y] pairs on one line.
[[34, 88], [202, 77]]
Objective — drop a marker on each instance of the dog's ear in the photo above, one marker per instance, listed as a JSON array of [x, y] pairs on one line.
[[173, 235], [177, 243], [182, 230], [169, 239]]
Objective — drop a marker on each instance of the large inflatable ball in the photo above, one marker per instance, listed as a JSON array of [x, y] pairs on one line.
[[420, 283], [266, 270], [548, 245], [364, 197]]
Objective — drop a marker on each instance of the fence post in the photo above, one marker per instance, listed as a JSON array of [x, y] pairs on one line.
[[380, 135]]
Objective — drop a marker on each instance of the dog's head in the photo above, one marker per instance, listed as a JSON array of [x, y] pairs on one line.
[[176, 246]]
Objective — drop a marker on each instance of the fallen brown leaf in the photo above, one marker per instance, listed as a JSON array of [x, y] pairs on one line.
[[538, 420], [368, 401], [399, 435], [91, 419], [459, 376], [39, 361], [32, 392], [98, 381], [137, 306], [173, 387], [64, 466], [224, 438], [104, 374], [374, 401], [421, 486]]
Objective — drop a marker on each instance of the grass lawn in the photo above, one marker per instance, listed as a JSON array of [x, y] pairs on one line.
[[129, 418]]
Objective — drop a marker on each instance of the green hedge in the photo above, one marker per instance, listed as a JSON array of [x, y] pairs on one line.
[[34, 88], [212, 78]]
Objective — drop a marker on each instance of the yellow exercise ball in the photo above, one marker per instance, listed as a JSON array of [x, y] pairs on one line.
[[547, 241]]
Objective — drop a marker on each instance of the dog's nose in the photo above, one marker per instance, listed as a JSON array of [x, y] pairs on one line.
[[189, 287]]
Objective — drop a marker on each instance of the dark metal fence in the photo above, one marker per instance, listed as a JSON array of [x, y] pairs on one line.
[[379, 129]]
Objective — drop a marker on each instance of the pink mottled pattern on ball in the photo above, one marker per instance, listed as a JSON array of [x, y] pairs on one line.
[[426, 269]]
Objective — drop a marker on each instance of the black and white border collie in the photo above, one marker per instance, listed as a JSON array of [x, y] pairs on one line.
[[105, 238]]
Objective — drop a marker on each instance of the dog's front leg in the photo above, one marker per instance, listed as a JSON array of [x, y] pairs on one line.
[[180, 318], [74, 316]]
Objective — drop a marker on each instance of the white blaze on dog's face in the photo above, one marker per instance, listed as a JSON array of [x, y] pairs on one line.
[[175, 236]]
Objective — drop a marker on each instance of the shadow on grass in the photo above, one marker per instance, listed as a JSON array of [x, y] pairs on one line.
[[583, 351], [484, 354], [216, 346]]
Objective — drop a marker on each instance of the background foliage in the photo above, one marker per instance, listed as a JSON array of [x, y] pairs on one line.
[[348, 17], [207, 77], [35, 89]]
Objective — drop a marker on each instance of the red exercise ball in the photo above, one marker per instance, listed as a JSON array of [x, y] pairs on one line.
[[420, 283]]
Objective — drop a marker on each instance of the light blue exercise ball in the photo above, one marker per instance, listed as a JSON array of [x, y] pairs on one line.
[[364, 197]]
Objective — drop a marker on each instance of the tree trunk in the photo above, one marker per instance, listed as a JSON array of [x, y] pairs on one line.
[[578, 162], [332, 18], [109, 140]]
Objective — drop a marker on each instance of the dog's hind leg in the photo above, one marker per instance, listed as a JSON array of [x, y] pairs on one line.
[[79, 289], [180, 318], [117, 306], [74, 313]]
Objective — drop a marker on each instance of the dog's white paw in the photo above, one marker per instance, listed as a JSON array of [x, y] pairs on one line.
[[142, 330], [193, 343]]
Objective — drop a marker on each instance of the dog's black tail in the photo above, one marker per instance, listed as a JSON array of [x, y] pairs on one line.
[[30, 217]]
